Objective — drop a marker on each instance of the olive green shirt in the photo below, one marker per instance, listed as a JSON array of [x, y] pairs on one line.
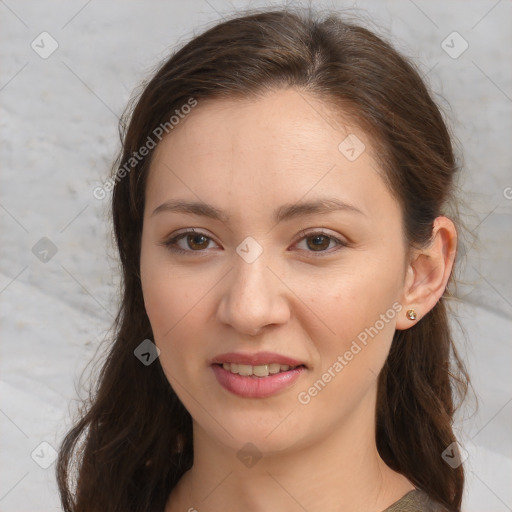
[[416, 501]]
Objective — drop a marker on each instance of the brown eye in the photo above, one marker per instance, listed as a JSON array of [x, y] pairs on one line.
[[318, 242], [197, 241], [189, 242]]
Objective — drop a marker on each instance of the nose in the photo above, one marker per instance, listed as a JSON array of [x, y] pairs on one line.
[[254, 297]]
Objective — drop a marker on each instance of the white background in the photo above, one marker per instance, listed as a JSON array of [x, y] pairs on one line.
[[58, 122]]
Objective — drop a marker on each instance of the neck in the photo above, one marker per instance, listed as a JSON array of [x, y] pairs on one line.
[[342, 471]]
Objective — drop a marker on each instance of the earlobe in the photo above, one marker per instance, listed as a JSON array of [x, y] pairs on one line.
[[428, 273]]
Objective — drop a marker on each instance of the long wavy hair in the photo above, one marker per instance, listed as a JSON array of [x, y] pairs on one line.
[[132, 441]]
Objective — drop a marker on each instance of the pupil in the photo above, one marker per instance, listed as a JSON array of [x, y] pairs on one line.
[[316, 245], [193, 238]]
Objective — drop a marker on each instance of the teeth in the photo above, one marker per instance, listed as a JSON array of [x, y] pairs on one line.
[[261, 370], [245, 369], [274, 368]]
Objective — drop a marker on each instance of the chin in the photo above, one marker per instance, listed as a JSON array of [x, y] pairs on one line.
[[266, 433]]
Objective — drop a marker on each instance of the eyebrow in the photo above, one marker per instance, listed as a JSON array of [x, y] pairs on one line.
[[283, 213]]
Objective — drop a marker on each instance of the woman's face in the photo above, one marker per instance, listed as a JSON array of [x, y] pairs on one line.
[[281, 276]]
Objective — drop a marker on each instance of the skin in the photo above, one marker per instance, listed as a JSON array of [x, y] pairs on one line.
[[248, 158]]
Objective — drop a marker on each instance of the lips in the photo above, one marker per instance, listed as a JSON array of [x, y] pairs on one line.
[[256, 375]]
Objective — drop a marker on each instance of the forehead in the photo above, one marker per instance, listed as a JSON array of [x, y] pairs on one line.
[[260, 152], [282, 122]]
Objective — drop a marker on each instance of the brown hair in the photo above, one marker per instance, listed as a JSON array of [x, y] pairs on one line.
[[133, 440]]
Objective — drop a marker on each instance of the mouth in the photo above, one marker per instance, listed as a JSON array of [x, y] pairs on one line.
[[258, 375], [259, 371]]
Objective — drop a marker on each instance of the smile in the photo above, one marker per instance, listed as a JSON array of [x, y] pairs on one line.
[[261, 370]]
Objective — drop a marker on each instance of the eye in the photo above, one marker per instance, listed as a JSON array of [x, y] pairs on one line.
[[319, 242], [191, 241]]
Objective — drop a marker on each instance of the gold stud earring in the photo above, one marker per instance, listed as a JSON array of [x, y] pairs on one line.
[[411, 314]]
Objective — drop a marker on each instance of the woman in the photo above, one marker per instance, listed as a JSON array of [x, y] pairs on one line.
[[280, 207]]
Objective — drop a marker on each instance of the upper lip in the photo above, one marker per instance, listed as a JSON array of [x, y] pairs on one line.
[[259, 358]]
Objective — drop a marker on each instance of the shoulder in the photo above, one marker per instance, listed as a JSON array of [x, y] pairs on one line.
[[416, 501]]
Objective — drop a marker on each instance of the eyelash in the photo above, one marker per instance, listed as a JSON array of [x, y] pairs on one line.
[[170, 243]]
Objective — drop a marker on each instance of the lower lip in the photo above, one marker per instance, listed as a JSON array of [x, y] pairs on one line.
[[256, 387]]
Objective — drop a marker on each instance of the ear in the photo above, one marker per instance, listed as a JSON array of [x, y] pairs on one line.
[[428, 272]]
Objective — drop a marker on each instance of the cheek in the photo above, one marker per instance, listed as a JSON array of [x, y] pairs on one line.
[[174, 317], [357, 314], [172, 301], [174, 313], [351, 359], [178, 303]]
